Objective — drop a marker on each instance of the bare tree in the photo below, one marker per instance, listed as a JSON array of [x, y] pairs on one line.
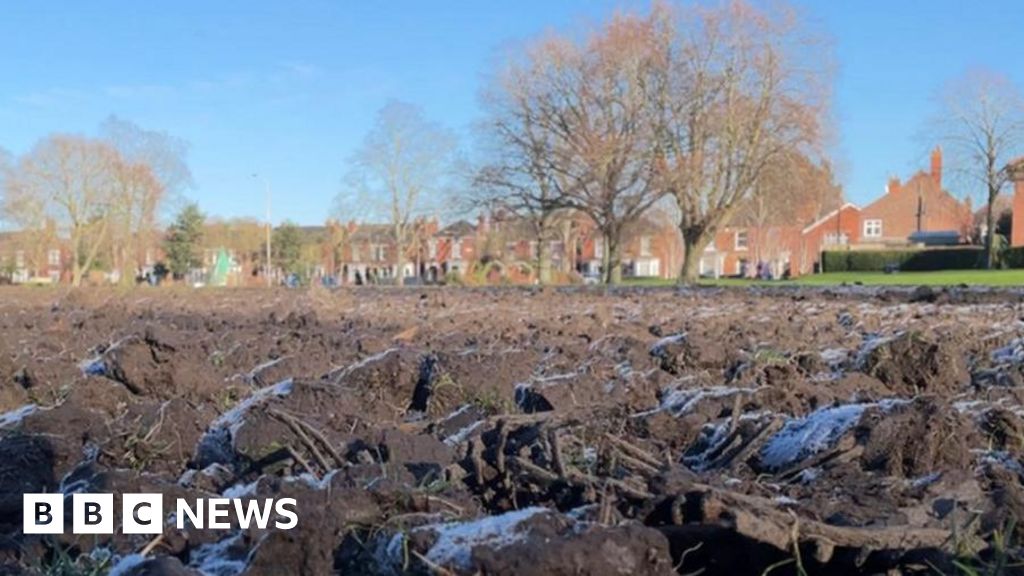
[[400, 169], [589, 100], [792, 190], [68, 181], [735, 88], [981, 123], [517, 175], [152, 169], [166, 155]]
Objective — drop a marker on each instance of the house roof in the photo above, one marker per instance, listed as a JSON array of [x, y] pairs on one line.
[[828, 217], [381, 233], [458, 229], [1016, 168]]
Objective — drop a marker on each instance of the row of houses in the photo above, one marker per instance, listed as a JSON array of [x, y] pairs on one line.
[[918, 212], [502, 247], [497, 247]]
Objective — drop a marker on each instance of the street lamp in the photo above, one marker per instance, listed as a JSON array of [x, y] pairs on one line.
[[266, 271]]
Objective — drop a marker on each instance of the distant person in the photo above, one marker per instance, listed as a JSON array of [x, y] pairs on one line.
[[359, 278]]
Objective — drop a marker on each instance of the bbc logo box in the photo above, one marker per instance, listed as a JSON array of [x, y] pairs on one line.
[[92, 513]]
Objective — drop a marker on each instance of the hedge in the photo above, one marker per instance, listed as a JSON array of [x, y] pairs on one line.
[[1013, 257], [961, 258]]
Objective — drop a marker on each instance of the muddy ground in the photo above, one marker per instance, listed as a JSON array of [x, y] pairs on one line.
[[511, 431]]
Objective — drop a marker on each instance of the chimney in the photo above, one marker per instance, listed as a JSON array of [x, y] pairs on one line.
[[937, 166], [894, 185]]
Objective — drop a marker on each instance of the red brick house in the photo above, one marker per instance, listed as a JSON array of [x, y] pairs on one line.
[[34, 256], [651, 248], [1016, 172], [919, 205]]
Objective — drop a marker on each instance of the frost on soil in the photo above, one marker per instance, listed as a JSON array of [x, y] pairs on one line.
[[801, 438], [679, 401], [455, 541]]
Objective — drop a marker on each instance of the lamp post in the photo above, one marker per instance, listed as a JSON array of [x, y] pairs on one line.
[[266, 271]]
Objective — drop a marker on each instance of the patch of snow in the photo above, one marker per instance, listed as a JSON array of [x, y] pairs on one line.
[[455, 541], [312, 481], [461, 436], [1012, 353], [871, 342], [819, 430], [218, 558], [126, 564], [680, 401], [658, 348], [1003, 459], [926, 480], [972, 407], [240, 490], [251, 376], [232, 419], [809, 475], [93, 367], [340, 375], [14, 417], [834, 357], [580, 513]]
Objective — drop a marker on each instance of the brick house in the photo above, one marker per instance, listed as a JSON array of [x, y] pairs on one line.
[[34, 256], [918, 205], [651, 248], [1015, 170]]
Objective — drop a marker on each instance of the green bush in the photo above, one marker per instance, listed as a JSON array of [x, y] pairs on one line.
[[1013, 257], [960, 258]]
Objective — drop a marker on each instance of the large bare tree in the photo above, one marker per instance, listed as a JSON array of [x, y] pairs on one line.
[[401, 168], [590, 100], [152, 169], [981, 124], [735, 88], [516, 175], [69, 182]]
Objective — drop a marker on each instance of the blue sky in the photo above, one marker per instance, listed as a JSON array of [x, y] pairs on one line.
[[288, 89]]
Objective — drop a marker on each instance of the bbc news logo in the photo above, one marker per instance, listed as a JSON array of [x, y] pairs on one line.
[[143, 513]]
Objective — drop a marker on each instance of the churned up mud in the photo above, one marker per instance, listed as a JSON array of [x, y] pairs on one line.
[[509, 431]]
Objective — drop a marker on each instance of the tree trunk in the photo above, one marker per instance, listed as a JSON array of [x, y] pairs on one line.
[[990, 231], [76, 266], [399, 257], [694, 243], [613, 274], [543, 261]]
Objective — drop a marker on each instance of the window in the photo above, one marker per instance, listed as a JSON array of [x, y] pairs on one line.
[[834, 239], [873, 228], [645, 246], [741, 239], [379, 252], [457, 249], [53, 257], [599, 248]]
